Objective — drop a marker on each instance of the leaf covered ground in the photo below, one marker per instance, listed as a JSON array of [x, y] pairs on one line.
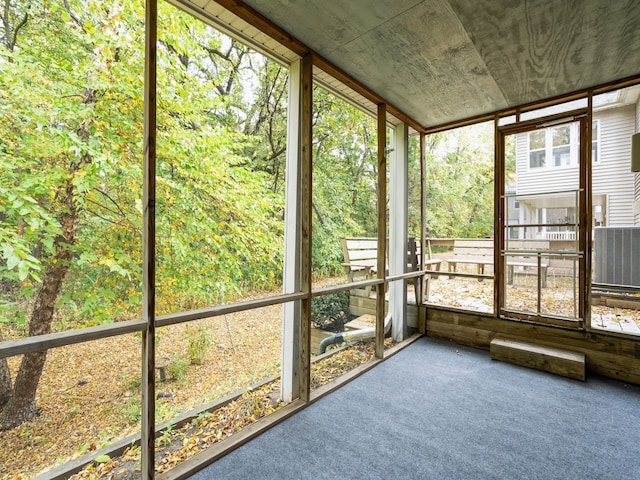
[[89, 394], [176, 446], [556, 299]]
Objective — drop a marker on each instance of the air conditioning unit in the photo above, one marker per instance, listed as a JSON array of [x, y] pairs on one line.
[[617, 256]]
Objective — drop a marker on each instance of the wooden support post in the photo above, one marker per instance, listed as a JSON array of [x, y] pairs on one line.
[[423, 291], [539, 281], [382, 226], [586, 232], [149, 244], [499, 216], [290, 375], [306, 177], [398, 206]]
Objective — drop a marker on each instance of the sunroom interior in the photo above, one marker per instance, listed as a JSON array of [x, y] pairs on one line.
[[557, 276]]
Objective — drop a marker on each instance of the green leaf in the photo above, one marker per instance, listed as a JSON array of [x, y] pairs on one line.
[[12, 261], [23, 271], [7, 251]]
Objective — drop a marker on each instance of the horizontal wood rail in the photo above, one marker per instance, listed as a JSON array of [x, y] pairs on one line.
[[405, 276], [38, 343], [175, 318], [9, 348], [540, 225], [541, 253], [347, 286], [480, 276]]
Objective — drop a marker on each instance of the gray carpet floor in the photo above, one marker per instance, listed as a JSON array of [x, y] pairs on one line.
[[437, 410]]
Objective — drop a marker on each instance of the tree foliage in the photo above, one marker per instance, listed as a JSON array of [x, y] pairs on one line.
[[460, 183], [344, 178], [71, 178], [71, 125]]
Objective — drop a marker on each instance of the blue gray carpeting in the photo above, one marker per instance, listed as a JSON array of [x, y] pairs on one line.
[[440, 411]]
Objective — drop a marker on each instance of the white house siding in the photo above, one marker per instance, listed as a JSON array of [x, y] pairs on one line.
[[611, 175], [540, 180]]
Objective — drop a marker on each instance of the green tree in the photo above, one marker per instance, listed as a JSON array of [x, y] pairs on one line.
[[71, 179], [219, 220], [344, 178], [459, 183], [61, 97], [266, 122]]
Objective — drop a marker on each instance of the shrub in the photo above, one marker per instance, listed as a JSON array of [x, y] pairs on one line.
[[198, 345], [177, 368], [330, 312]]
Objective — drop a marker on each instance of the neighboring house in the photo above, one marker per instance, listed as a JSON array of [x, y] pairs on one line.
[[547, 176]]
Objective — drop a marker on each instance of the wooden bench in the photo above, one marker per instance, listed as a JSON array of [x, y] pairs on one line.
[[361, 259], [479, 252]]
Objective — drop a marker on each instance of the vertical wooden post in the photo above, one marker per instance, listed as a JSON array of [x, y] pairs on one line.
[[382, 226], [149, 243], [306, 174], [290, 376], [585, 232], [398, 241], [499, 216], [423, 285]]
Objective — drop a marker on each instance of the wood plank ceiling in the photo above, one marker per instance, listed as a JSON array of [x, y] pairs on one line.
[[441, 61]]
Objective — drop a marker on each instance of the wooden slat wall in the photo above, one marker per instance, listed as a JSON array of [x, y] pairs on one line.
[[606, 355]]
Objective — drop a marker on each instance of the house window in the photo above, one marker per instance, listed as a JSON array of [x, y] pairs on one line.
[[537, 149], [561, 149], [560, 145]]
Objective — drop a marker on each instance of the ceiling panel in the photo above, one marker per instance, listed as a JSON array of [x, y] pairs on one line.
[[541, 49], [424, 63], [328, 25]]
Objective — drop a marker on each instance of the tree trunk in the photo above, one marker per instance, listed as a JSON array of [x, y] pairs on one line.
[[21, 406], [5, 381]]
